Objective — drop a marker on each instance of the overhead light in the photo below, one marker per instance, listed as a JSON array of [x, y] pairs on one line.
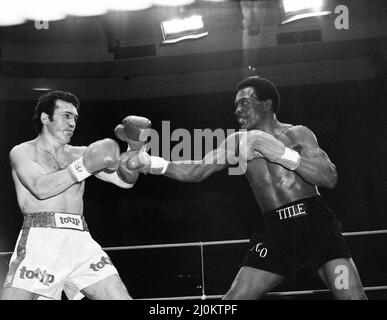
[[125, 5], [300, 5], [11, 20], [172, 3], [41, 89], [10, 14], [180, 29], [42, 10], [13, 12], [41, 84], [293, 10], [85, 8]]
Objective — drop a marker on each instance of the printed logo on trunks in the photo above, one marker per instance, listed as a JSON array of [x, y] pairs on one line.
[[294, 211], [99, 265], [79, 167], [261, 251], [41, 275], [68, 221]]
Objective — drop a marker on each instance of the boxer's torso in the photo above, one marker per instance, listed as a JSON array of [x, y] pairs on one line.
[[273, 185], [70, 200]]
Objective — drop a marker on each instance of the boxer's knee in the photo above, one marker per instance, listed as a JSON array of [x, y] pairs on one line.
[[110, 288], [354, 293], [244, 291], [11, 293], [241, 294]]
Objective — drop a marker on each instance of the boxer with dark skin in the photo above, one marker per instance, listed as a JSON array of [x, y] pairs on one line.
[[285, 168]]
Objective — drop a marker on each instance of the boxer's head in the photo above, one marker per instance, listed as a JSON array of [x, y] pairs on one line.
[[255, 100], [48, 103]]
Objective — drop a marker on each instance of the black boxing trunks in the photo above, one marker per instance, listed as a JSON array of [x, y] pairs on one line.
[[304, 233]]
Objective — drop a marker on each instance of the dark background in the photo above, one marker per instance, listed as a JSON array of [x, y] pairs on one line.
[[347, 118], [332, 81]]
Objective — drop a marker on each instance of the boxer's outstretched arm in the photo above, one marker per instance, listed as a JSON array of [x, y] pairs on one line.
[[315, 166], [195, 171], [214, 161], [35, 178], [114, 178]]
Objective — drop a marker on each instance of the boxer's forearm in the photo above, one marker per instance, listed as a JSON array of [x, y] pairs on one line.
[[187, 172], [195, 171], [319, 172], [116, 179], [52, 184]]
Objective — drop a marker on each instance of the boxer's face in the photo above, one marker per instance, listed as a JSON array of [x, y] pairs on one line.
[[249, 112], [63, 122]]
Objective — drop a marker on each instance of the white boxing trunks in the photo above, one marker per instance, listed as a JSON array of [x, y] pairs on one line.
[[55, 252]]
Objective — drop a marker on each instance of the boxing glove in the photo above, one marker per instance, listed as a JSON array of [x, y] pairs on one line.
[[100, 155], [134, 130], [125, 174], [145, 163], [256, 143]]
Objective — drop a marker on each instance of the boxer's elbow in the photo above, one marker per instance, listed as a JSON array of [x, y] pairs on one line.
[[194, 174], [184, 172], [40, 193], [42, 190], [331, 178]]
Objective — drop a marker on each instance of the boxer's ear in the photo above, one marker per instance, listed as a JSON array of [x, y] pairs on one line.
[[44, 118]]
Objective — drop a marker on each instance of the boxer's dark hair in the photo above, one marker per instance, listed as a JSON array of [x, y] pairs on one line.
[[264, 89], [47, 103]]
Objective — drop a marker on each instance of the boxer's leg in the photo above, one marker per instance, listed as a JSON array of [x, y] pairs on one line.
[[110, 288], [11, 293], [251, 283], [342, 277]]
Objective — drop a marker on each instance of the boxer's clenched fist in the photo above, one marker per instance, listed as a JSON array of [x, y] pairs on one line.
[[127, 175], [257, 144], [146, 163]]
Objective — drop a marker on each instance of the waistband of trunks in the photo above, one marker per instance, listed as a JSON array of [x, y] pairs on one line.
[[296, 209], [56, 220]]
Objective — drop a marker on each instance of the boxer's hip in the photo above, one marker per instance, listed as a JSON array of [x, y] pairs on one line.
[[55, 220], [302, 215]]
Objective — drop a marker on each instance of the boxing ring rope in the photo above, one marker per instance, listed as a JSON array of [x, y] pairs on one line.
[[201, 245]]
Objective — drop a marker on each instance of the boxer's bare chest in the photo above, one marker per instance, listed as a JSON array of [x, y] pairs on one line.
[[263, 173], [54, 162], [272, 184]]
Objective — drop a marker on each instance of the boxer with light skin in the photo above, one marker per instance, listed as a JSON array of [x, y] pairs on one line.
[[285, 166], [55, 251]]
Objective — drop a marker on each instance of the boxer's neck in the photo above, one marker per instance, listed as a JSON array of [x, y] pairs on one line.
[[270, 124], [49, 144]]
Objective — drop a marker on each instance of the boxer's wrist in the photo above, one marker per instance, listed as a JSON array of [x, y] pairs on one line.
[[78, 170], [158, 165], [291, 159]]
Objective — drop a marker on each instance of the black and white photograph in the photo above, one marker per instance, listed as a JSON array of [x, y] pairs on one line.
[[193, 154]]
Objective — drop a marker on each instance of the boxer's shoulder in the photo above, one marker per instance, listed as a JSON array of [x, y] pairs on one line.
[[301, 134], [26, 148], [295, 133]]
